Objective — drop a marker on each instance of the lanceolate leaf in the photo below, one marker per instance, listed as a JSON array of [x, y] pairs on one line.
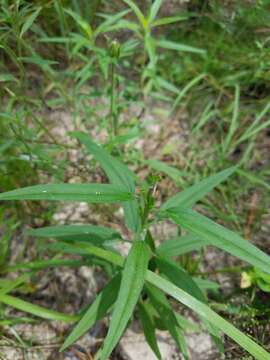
[[118, 174], [116, 171], [219, 236], [179, 277], [91, 233], [148, 326], [167, 315], [35, 309], [138, 13], [189, 196], [203, 310], [182, 279], [131, 286], [154, 10], [95, 193], [96, 311], [180, 245]]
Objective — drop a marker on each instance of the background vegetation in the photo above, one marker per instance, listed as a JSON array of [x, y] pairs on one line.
[[180, 94]]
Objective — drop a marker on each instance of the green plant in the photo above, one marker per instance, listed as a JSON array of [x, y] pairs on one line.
[[255, 277], [148, 275], [144, 29]]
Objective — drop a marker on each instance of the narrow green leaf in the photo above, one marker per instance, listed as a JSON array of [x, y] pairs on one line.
[[91, 233], [172, 172], [138, 13], [187, 325], [110, 21], [184, 91], [35, 309], [203, 310], [130, 289], [219, 236], [96, 311], [154, 10], [148, 326], [179, 277], [167, 317], [29, 21], [189, 196], [205, 284], [168, 20], [88, 249], [118, 174], [163, 83], [12, 284], [183, 280], [95, 193], [85, 27], [43, 264], [234, 121], [170, 45], [255, 126], [180, 245]]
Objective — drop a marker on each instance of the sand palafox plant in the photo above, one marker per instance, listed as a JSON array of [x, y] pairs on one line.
[[146, 281]]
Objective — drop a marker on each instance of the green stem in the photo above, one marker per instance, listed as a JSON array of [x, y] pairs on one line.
[[113, 107]]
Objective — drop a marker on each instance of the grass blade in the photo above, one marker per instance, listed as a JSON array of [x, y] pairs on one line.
[[43, 264], [10, 285], [29, 21], [170, 45], [183, 92], [219, 236], [130, 289], [95, 193], [234, 120], [189, 196], [36, 309], [168, 20], [96, 311]]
